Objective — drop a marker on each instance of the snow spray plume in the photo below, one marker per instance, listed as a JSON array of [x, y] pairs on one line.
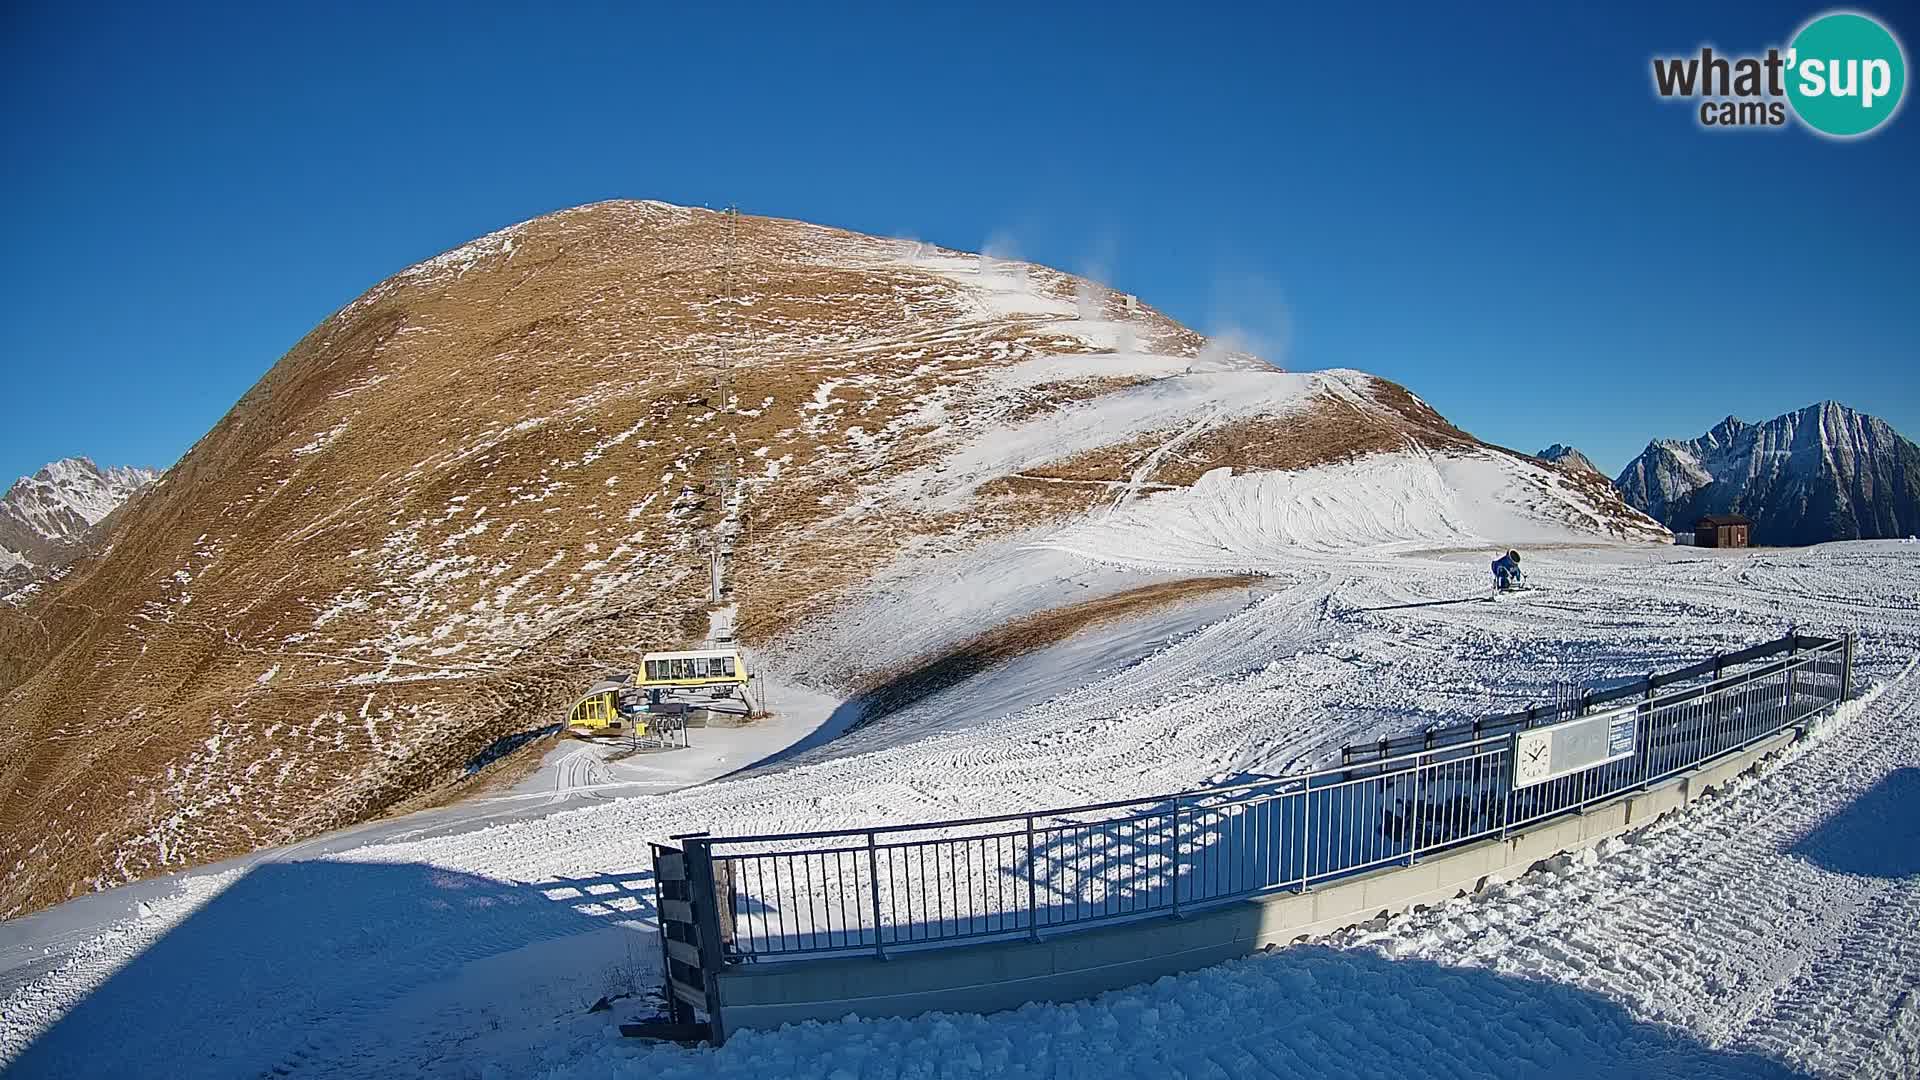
[[999, 263], [1092, 292], [1228, 348], [909, 249], [1250, 312]]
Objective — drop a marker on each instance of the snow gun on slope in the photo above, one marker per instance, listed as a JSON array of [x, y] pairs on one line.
[[1506, 573]]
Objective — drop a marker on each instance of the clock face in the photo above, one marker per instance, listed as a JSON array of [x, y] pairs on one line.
[[1533, 758]]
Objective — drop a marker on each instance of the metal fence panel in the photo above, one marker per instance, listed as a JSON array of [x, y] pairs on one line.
[[945, 883]]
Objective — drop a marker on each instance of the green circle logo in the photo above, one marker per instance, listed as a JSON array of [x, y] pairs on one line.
[[1846, 74]]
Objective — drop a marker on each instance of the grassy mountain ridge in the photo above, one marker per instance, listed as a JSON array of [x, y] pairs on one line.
[[505, 470]]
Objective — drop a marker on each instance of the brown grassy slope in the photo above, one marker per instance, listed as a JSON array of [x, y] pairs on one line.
[[928, 675]]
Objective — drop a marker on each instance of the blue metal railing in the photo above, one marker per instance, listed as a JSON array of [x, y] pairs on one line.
[[912, 886]]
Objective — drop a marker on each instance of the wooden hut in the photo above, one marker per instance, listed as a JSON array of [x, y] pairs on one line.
[[1722, 530]]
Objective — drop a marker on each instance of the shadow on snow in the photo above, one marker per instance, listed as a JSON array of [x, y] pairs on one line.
[[276, 974], [295, 956], [1876, 835]]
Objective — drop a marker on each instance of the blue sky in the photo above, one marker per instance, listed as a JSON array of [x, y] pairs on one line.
[[1488, 206]]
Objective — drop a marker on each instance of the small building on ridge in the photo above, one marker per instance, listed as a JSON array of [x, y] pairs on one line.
[[1723, 530]]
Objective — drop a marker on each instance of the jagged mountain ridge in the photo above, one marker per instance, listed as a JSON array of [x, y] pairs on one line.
[[46, 517], [1567, 457], [501, 472], [1825, 472]]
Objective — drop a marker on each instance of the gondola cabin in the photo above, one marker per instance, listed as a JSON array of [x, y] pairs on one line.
[[716, 668], [599, 712]]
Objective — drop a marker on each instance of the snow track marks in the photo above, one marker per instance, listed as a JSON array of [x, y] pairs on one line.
[[1722, 920]]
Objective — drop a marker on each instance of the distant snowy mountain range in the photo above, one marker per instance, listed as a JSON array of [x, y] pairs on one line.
[[1825, 472], [45, 517]]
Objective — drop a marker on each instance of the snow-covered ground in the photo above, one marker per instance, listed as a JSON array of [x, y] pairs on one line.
[[1766, 933]]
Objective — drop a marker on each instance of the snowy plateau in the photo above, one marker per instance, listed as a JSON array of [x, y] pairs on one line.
[[1166, 564]]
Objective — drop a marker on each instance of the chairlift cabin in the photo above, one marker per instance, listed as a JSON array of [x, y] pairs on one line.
[[600, 711], [693, 668]]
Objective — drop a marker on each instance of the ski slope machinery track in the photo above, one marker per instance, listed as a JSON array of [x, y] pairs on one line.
[[1778, 918]]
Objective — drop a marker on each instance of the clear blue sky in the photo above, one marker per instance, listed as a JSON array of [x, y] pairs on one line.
[[1489, 206]]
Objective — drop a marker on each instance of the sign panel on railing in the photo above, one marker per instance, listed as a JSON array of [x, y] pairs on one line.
[[1548, 753]]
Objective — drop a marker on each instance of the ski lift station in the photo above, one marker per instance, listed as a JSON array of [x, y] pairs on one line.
[[695, 668], [620, 704]]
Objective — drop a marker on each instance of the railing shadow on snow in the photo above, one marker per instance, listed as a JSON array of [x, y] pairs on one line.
[[287, 971], [294, 956], [1875, 835]]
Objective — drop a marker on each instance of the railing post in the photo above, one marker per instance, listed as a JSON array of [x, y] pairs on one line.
[[1793, 678], [705, 899], [1846, 665], [1413, 815], [1033, 905], [1513, 756], [1306, 835], [677, 1009], [873, 884], [1176, 856], [1646, 741]]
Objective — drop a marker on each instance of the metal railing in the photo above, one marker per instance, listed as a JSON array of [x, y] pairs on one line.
[[1713, 668], [798, 895]]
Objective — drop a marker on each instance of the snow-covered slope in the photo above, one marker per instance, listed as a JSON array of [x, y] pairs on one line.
[[505, 471], [1381, 504], [43, 517], [1764, 935], [1825, 472], [1823, 852]]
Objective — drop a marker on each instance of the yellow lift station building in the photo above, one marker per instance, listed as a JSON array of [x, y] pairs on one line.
[[719, 671], [692, 669]]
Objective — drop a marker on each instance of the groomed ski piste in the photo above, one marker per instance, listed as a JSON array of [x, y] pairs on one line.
[[1767, 930]]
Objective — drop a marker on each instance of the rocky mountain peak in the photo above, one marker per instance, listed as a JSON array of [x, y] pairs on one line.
[[1823, 472], [45, 517], [1567, 457]]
